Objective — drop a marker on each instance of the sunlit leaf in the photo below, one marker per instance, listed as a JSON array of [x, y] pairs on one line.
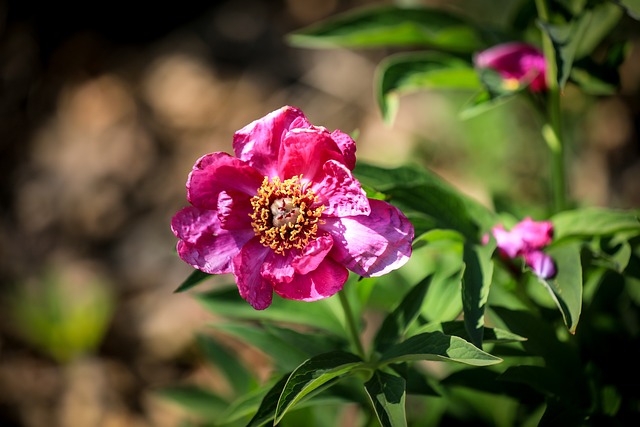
[[387, 394], [392, 26], [439, 347], [267, 409], [476, 282], [457, 328], [632, 7], [590, 222], [409, 72], [311, 375]]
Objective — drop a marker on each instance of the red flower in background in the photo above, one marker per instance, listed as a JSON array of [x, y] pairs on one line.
[[286, 214], [517, 63], [527, 239]]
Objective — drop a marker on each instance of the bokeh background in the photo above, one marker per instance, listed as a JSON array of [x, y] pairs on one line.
[[104, 108]]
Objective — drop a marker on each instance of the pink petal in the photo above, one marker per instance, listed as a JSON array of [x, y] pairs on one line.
[[320, 283], [520, 61], [204, 244], [277, 268], [305, 151], [312, 255], [371, 245], [340, 192], [218, 172], [541, 264], [258, 143], [233, 210], [348, 147], [246, 267], [535, 235], [508, 243]]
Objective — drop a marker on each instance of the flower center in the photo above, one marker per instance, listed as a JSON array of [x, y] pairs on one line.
[[282, 215]]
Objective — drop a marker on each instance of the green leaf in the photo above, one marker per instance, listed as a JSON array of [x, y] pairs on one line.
[[604, 18], [591, 222], [313, 374], [414, 188], [392, 26], [319, 315], [194, 279], [409, 72], [566, 287], [387, 394], [267, 409], [632, 7], [476, 282], [195, 400], [591, 84], [457, 328], [397, 322], [482, 102], [565, 39], [440, 347], [311, 343], [228, 363]]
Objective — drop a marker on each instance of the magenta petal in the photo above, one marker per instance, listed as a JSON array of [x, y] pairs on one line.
[[371, 245], [340, 192], [519, 61], [320, 283], [541, 264], [233, 210], [204, 244], [246, 267], [312, 255], [535, 235], [508, 243], [218, 172], [305, 151], [277, 268], [348, 147], [258, 143]]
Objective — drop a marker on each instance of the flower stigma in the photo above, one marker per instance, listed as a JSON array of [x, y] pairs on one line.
[[282, 214]]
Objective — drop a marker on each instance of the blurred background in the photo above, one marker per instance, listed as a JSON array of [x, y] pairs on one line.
[[104, 108]]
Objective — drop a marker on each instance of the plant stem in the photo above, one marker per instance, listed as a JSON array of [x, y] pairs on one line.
[[552, 131], [351, 324]]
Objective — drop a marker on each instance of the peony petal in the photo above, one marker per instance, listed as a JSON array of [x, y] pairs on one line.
[[320, 283], [534, 235], [340, 193], [204, 244], [371, 245], [508, 243], [259, 142], [541, 264], [305, 151], [312, 255], [348, 147], [218, 172], [277, 268], [519, 61], [233, 210], [246, 268]]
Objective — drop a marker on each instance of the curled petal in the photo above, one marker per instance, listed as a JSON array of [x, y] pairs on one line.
[[204, 244], [371, 245], [246, 268], [348, 147], [327, 279], [218, 172], [258, 143], [340, 192], [541, 264], [277, 268], [312, 255], [233, 210], [305, 151]]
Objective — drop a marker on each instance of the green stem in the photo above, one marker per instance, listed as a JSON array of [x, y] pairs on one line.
[[351, 324], [552, 131]]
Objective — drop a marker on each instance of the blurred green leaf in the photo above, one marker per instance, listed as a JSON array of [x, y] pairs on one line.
[[482, 102], [457, 328], [566, 287], [589, 222], [311, 343], [592, 84], [392, 26], [311, 375], [439, 347], [195, 278], [228, 363], [604, 18], [476, 282], [267, 409], [387, 394], [632, 7], [565, 39], [414, 188], [409, 72], [397, 322], [195, 400]]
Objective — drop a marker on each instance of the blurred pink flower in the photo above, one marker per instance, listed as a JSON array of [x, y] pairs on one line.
[[286, 214], [527, 239], [518, 63]]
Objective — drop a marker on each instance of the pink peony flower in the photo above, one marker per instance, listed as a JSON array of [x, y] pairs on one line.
[[286, 214], [518, 63], [527, 239]]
